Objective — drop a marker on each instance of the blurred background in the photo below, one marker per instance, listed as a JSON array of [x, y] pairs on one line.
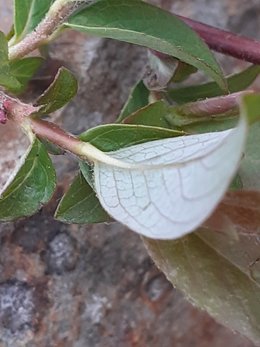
[[95, 286]]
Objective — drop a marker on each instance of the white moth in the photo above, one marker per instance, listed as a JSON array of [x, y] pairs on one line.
[[167, 188]]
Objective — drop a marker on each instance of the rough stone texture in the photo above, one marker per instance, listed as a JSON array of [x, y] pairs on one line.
[[95, 286]]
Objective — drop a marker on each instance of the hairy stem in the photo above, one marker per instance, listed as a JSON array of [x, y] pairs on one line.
[[226, 42], [58, 13], [213, 106], [219, 40]]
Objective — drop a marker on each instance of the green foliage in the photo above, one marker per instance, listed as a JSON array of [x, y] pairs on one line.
[[24, 69], [27, 15], [140, 23], [30, 187], [249, 170], [115, 136], [138, 98], [80, 204], [60, 92], [7, 79], [154, 114], [237, 82]]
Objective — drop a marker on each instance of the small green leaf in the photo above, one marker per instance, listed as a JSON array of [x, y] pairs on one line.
[[80, 205], [31, 186], [24, 70], [183, 71], [139, 97], [210, 281], [115, 136], [87, 172], [236, 83], [143, 24], [159, 114], [249, 171], [154, 114], [27, 15], [52, 148], [59, 93], [7, 80]]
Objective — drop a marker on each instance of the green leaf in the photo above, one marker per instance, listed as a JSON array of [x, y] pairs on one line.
[[139, 97], [52, 148], [87, 172], [80, 205], [154, 114], [59, 93], [31, 186], [210, 281], [115, 136], [27, 15], [140, 23], [249, 171], [236, 83], [182, 72], [7, 80], [24, 70], [159, 114]]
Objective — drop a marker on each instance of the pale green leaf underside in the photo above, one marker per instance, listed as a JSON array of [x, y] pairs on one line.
[[80, 204], [143, 24], [30, 186], [171, 185]]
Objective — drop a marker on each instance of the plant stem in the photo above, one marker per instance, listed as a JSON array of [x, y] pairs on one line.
[[85, 150], [213, 106], [58, 13], [222, 107], [219, 40], [51, 132], [226, 42]]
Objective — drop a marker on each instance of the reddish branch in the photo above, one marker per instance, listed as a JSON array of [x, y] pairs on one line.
[[51, 132], [213, 106], [226, 42]]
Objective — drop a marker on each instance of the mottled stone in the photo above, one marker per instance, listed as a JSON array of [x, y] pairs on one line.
[[17, 307], [61, 255]]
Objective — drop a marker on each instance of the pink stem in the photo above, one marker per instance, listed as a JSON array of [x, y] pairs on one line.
[[213, 106], [227, 43]]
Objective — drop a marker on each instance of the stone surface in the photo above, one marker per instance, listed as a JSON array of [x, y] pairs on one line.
[[95, 286]]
